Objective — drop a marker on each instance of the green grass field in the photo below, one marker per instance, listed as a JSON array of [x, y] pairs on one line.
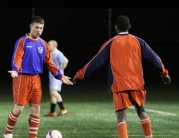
[[91, 114]]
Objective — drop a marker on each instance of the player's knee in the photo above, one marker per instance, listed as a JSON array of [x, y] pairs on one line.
[[35, 109], [121, 120], [140, 111], [18, 110], [142, 115], [53, 94], [121, 115]]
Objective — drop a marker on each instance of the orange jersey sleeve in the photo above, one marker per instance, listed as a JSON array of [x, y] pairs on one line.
[[18, 54]]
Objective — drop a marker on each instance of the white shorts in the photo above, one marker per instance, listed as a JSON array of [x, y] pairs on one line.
[[55, 84]]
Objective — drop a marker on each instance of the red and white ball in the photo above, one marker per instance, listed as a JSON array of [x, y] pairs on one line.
[[53, 134]]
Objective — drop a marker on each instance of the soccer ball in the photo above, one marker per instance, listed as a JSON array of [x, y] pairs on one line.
[[53, 134]]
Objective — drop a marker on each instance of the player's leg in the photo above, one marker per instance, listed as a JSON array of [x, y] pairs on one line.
[[34, 102], [55, 87], [19, 87], [121, 123], [57, 98], [121, 103], [138, 98], [63, 110], [145, 121], [53, 101], [34, 120], [12, 120]]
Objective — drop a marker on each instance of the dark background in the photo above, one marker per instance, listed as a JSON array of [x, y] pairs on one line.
[[80, 32]]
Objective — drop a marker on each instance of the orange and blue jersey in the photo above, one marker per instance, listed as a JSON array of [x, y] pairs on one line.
[[29, 55], [124, 52]]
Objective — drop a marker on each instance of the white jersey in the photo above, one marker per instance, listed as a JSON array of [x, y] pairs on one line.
[[58, 58]]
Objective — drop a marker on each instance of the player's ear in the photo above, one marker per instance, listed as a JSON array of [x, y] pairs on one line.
[[116, 29], [30, 26], [129, 27]]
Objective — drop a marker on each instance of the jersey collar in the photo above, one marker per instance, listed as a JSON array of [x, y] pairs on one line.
[[124, 33]]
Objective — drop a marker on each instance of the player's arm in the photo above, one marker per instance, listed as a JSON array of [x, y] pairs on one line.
[[98, 60], [149, 54], [64, 65], [17, 57], [52, 68], [62, 59]]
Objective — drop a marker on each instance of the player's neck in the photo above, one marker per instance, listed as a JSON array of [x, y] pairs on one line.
[[32, 36], [53, 50]]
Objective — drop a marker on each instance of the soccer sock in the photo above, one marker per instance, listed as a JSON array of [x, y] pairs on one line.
[[60, 104], [33, 124], [122, 130], [146, 126], [52, 107], [11, 122]]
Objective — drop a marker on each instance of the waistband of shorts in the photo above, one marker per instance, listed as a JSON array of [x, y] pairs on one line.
[[28, 74]]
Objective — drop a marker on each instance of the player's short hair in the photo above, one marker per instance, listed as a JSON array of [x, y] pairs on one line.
[[122, 22], [54, 42], [37, 19]]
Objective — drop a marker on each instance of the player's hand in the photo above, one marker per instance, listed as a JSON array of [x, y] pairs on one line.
[[13, 73], [74, 79], [166, 79], [66, 80]]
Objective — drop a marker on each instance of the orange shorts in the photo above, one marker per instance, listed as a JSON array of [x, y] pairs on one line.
[[128, 98], [27, 89]]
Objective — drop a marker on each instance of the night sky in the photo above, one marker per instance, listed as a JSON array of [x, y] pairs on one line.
[[80, 32]]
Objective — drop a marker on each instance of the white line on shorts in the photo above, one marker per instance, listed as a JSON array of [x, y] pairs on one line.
[[157, 111]]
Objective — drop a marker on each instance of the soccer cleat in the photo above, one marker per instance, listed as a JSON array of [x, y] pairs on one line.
[[54, 114], [62, 112], [8, 135]]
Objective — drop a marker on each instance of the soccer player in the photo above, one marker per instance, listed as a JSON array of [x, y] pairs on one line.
[[124, 52], [55, 85], [30, 52]]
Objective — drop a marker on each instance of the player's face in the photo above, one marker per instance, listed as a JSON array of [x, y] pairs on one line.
[[36, 29], [51, 46]]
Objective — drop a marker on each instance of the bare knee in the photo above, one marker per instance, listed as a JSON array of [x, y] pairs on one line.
[[35, 109], [121, 115], [55, 96], [141, 111], [18, 109], [53, 92]]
